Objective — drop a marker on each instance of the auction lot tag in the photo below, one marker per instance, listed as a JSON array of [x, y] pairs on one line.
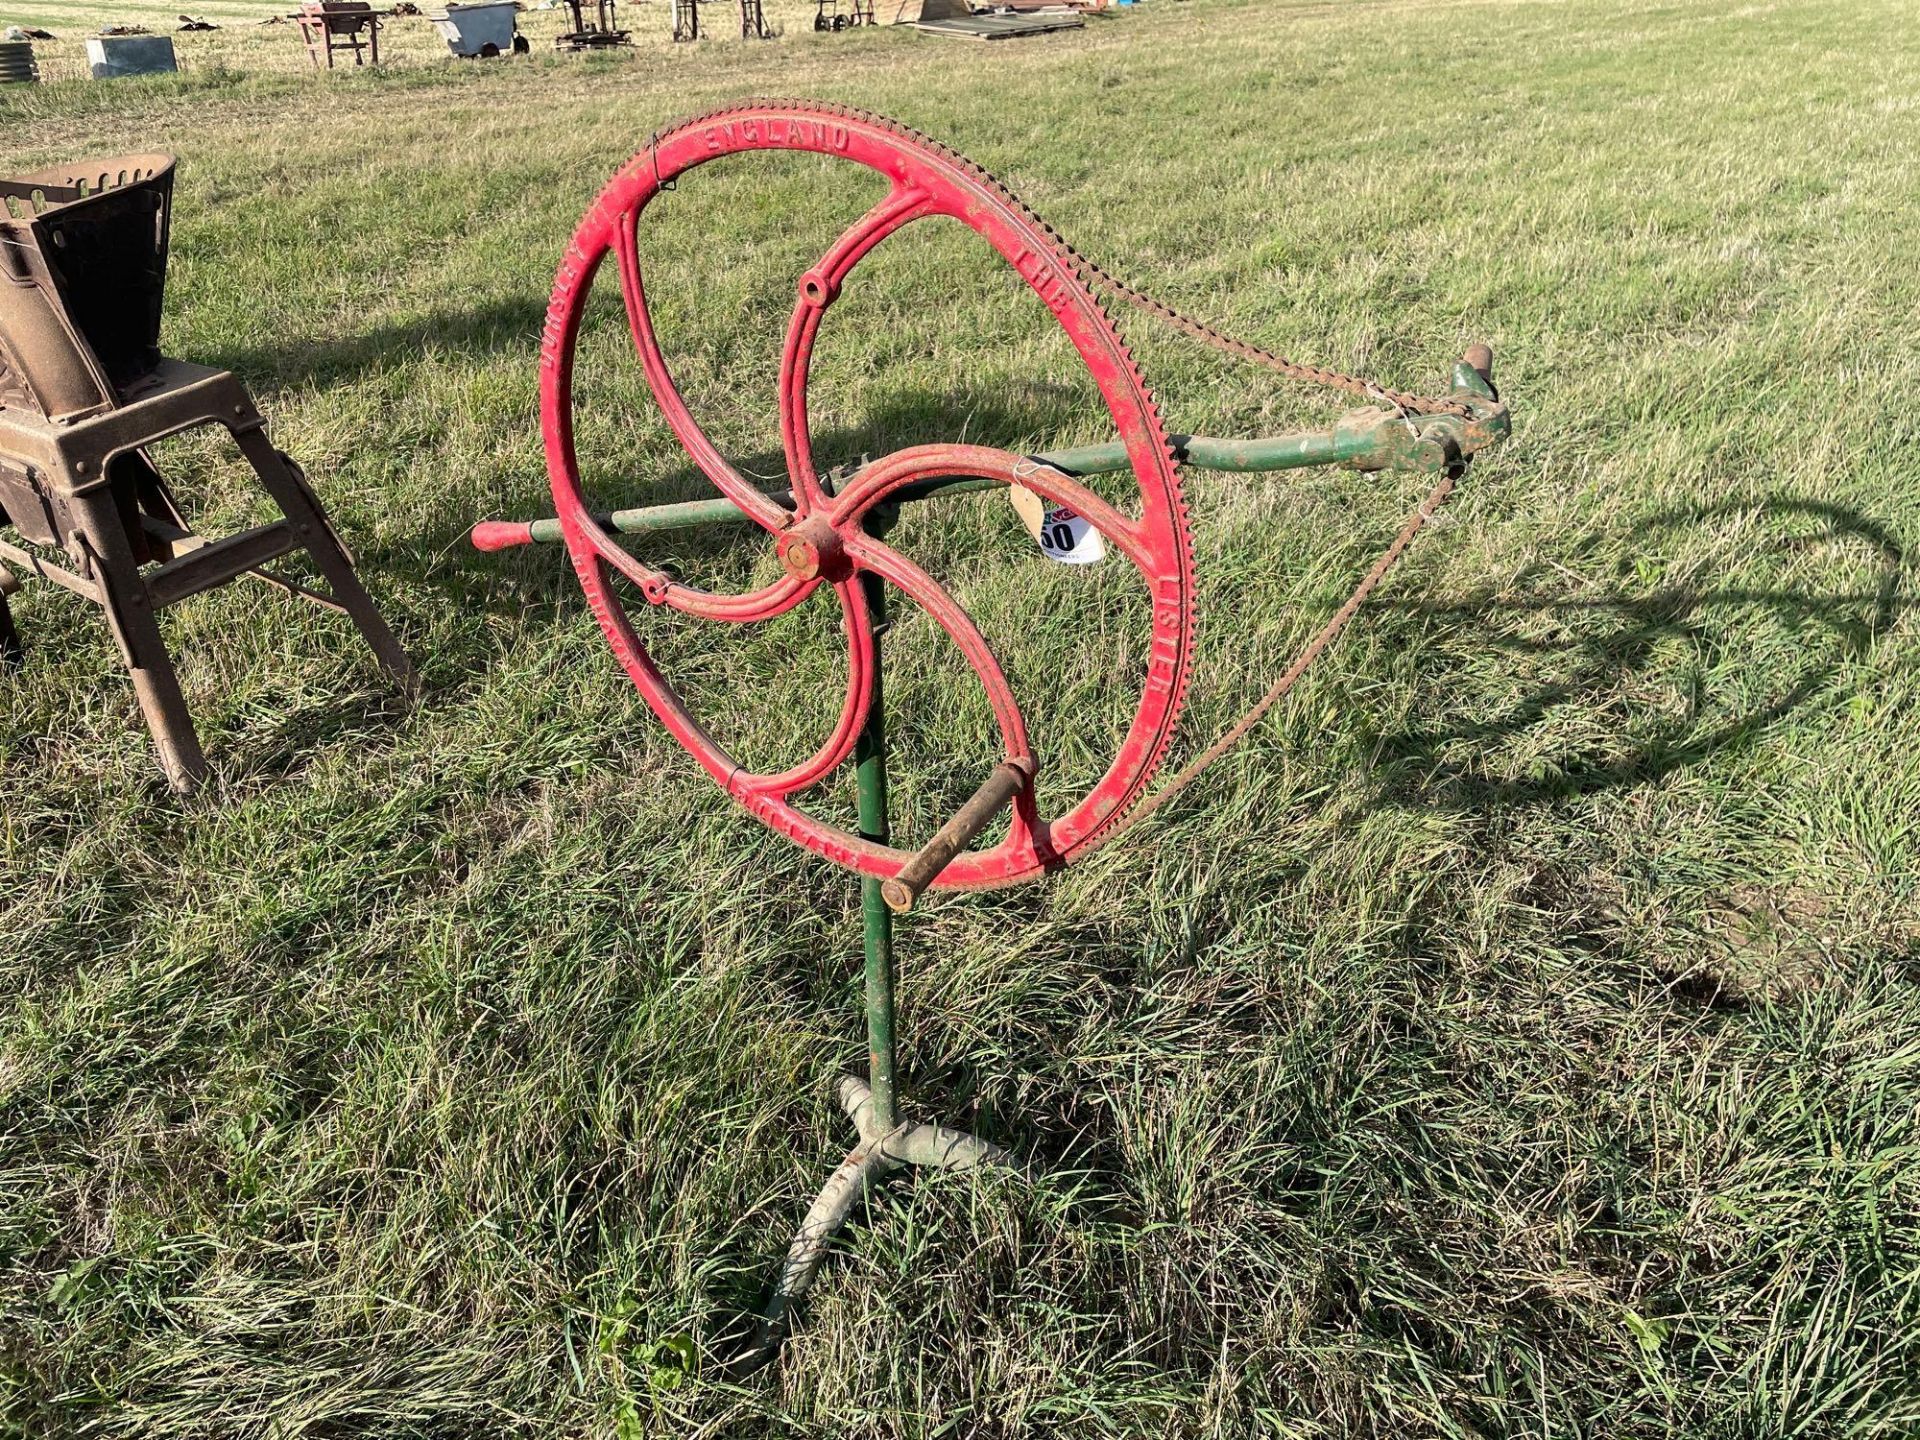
[[1061, 534]]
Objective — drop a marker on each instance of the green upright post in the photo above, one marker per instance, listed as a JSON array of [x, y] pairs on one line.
[[885, 1145], [870, 772]]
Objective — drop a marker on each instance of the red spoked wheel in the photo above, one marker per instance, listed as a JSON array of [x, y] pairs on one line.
[[822, 540]]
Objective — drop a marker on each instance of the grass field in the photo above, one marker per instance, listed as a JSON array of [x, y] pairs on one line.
[[249, 38], [1521, 1036]]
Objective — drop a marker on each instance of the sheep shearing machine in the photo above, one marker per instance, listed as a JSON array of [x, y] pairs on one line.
[[828, 536]]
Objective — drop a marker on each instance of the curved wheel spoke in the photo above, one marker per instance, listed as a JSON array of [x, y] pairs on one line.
[[728, 481], [853, 710], [819, 287], [926, 592], [894, 472], [766, 603]]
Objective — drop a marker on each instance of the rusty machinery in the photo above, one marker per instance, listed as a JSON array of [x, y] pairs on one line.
[[829, 534], [827, 14], [601, 32], [83, 389], [753, 21]]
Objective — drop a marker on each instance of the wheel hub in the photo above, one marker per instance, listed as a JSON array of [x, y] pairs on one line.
[[811, 550]]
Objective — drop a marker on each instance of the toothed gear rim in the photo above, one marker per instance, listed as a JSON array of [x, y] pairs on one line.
[[821, 540]]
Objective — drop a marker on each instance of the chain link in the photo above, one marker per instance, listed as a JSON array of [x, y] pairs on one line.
[[1315, 647], [1407, 404]]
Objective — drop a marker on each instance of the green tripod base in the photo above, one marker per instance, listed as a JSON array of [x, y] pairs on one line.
[[879, 1153], [886, 1142]]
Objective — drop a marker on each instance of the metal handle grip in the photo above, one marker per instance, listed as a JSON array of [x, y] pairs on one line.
[[1008, 779], [501, 534]]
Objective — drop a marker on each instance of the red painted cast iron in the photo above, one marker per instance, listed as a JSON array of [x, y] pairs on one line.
[[821, 539]]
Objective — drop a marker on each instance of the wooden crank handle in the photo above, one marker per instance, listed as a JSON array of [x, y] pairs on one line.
[[1479, 359], [1008, 779]]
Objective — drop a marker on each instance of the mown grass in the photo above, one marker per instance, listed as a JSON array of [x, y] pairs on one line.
[[1519, 1037]]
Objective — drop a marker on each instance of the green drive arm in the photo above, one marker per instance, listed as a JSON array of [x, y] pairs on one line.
[[1364, 440]]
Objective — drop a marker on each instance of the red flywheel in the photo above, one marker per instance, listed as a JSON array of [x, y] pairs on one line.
[[822, 540]]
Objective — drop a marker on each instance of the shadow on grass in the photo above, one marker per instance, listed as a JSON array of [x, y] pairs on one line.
[[369, 718], [1609, 656], [474, 330]]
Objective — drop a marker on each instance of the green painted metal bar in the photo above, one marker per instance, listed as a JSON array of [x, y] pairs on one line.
[[1366, 439], [1281, 452], [870, 779], [1343, 444], [1288, 452]]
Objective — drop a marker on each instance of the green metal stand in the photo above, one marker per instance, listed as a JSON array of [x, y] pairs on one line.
[[876, 919], [886, 1143], [1368, 439]]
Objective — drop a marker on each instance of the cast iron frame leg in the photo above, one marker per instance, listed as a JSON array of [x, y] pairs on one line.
[[13, 654], [885, 1144], [284, 481], [129, 611], [876, 918]]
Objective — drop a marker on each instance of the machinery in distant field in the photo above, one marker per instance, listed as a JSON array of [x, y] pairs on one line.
[[828, 534], [333, 27], [753, 21], [481, 31], [600, 33], [959, 18], [829, 16], [17, 65], [83, 390]]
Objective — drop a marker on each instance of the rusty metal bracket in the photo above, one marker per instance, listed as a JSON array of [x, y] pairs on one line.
[[85, 392]]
